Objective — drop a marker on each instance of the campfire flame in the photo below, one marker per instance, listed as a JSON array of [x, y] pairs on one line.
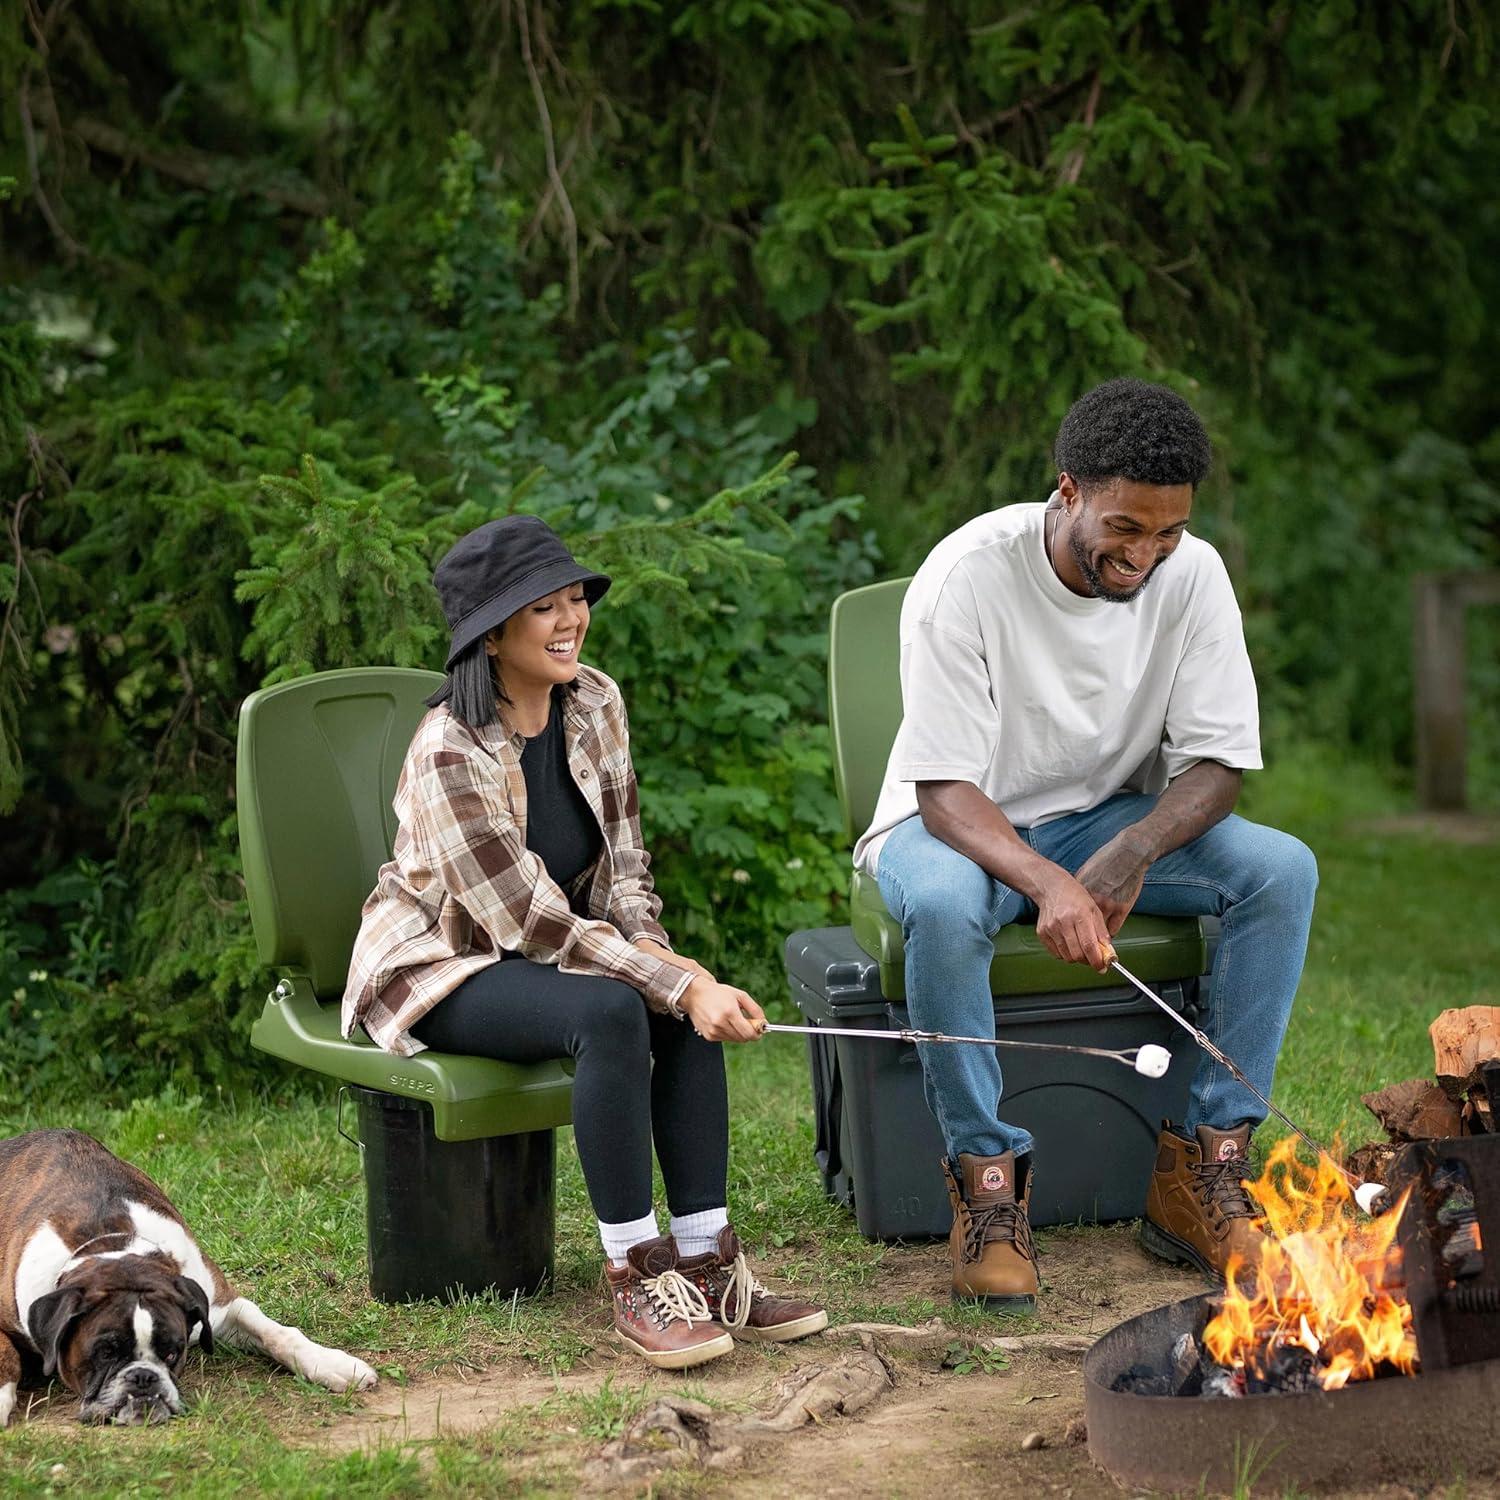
[[1326, 1282]]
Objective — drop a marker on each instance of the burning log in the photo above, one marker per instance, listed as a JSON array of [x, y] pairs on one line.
[[1191, 1369], [1323, 1304], [1289, 1371], [1372, 1163]]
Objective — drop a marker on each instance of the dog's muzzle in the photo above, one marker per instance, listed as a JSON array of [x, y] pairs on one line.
[[139, 1394]]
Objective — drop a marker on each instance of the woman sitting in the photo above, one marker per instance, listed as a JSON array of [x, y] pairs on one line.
[[517, 920]]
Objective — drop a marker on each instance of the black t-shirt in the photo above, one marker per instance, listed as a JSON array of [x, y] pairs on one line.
[[561, 829]]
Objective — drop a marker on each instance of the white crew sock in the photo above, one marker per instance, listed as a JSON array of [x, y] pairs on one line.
[[618, 1238], [697, 1234]]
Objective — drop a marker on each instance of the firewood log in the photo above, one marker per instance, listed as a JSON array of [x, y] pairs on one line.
[[1461, 1041], [1417, 1110]]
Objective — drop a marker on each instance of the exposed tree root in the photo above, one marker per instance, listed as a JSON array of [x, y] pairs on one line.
[[675, 1431], [935, 1334]]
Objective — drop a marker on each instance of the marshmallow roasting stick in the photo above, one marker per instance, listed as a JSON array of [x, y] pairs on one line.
[[1150, 1060], [1365, 1193]]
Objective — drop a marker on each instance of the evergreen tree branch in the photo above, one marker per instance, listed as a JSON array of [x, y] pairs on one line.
[[201, 169], [71, 248], [549, 142]]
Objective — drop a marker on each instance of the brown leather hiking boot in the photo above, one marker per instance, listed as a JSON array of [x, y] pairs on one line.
[[994, 1259], [740, 1303], [1197, 1210], [660, 1313]]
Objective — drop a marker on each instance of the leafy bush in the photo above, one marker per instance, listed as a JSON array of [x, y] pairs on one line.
[[245, 542]]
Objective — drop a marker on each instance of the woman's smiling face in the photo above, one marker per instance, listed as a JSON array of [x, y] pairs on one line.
[[538, 646]]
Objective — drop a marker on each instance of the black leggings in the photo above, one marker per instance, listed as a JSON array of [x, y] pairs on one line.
[[521, 1011]]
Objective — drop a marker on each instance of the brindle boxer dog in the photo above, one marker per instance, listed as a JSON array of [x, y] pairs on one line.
[[102, 1285]]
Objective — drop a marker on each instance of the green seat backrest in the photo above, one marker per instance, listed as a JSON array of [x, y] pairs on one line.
[[864, 712], [864, 694], [317, 767]]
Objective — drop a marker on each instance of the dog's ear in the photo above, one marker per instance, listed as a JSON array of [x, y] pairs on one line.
[[49, 1320], [195, 1300]]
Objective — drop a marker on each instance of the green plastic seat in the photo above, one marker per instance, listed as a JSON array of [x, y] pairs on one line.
[[317, 767], [864, 710]]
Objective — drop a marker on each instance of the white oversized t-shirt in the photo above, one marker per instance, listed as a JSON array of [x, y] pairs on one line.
[[1050, 702]]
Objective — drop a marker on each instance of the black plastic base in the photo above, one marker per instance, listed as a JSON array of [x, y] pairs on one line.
[[1095, 1122], [448, 1219]]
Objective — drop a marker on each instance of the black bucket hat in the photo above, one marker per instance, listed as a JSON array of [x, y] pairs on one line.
[[500, 567]]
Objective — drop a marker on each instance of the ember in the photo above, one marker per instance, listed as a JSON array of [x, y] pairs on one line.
[[1325, 1305]]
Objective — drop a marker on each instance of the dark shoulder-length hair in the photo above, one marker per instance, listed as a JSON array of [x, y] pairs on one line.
[[473, 689]]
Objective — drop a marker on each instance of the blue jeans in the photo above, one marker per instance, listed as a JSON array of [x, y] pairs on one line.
[[1258, 881]]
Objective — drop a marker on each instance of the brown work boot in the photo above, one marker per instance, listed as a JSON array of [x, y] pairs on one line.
[[1197, 1210], [660, 1313], [994, 1259], [740, 1303]]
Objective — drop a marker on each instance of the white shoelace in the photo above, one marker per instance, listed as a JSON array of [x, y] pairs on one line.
[[744, 1286], [677, 1297]]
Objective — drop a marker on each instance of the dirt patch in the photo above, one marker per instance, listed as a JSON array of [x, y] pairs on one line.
[[727, 1425], [1444, 827], [941, 1433], [1095, 1278], [560, 1406], [1091, 1280]]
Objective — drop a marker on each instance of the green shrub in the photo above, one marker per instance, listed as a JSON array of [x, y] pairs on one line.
[[247, 543]]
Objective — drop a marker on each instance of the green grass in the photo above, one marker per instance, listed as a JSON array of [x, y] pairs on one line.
[[1404, 928]]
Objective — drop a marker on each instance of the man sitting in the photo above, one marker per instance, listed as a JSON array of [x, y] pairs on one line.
[[1073, 736]]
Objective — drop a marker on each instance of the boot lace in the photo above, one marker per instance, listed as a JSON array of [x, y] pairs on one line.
[[1222, 1185], [1000, 1221], [674, 1296], [744, 1286]]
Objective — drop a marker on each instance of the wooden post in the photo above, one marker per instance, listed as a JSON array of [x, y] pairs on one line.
[[1439, 601]]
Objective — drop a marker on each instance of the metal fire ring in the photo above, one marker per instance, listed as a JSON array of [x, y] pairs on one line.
[[1437, 1427]]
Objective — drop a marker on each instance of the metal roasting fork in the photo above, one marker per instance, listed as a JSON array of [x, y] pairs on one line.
[[1149, 1059], [1228, 1062]]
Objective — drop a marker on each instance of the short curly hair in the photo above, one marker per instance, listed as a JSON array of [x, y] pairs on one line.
[[1131, 429]]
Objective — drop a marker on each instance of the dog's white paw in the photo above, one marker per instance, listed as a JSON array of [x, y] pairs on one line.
[[7, 1402], [337, 1371]]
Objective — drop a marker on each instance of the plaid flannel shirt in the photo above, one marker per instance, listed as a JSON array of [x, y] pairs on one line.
[[461, 885]]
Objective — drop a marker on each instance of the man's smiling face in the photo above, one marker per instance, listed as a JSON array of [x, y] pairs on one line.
[[1118, 532]]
